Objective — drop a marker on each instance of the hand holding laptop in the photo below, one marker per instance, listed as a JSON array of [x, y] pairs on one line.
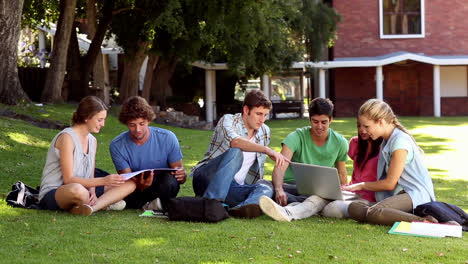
[[353, 187], [346, 192]]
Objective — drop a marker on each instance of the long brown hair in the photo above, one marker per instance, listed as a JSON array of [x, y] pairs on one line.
[[87, 108], [362, 150]]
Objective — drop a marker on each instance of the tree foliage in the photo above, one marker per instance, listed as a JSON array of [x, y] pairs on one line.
[[253, 37]]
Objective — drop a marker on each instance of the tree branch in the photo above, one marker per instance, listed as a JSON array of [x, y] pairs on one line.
[[118, 11]]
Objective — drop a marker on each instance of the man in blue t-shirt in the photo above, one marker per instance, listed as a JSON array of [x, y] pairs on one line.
[[144, 147]]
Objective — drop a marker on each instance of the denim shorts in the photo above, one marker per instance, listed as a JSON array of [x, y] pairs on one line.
[[48, 202]]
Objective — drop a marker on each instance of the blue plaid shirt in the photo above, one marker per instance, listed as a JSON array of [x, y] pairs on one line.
[[230, 127]]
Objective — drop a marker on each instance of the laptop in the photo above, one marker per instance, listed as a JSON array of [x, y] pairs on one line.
[[321, 181]]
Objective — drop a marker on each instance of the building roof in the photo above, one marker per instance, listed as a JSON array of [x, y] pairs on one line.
[[383, 60]]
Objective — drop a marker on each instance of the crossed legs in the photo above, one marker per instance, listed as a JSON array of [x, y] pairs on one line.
[[386, 212], [74, 195]]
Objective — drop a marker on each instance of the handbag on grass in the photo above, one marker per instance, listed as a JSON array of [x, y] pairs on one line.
[[196, 209], [443, 212], [23, 196]]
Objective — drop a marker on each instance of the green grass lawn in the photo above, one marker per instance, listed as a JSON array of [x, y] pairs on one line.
[[32, 236]]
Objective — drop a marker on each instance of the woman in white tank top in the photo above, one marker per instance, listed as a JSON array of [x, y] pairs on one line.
[[68, 181]]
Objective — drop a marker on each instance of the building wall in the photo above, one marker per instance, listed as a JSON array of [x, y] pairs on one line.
[[454, 106], [353, 86], [358, 32], [407, 88]]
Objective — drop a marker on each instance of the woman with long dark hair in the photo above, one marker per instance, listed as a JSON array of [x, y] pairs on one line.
[[364, 151]]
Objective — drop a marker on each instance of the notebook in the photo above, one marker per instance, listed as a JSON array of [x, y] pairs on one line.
[[319, 180], [426, 229]]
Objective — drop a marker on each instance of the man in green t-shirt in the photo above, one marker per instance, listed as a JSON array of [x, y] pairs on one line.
[[316, 144]]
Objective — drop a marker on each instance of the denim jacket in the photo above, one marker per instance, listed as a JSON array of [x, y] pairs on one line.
[[414, 180], [230, 127]]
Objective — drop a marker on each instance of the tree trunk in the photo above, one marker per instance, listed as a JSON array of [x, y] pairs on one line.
[[161, 77], [11, 91], [80, 86], [131, 73], [56, 74], [76, 88], [100, 85], [152, 62]]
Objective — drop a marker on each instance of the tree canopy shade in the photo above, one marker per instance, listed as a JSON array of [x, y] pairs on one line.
[[11, 91], [252, 37], [79, 67]]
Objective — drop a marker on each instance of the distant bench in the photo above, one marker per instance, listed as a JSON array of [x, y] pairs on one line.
[[290, 106]]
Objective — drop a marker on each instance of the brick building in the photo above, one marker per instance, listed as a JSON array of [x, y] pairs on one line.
[[411, 53]]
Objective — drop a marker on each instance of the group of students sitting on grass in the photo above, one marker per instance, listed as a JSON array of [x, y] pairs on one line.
[[388, 170]]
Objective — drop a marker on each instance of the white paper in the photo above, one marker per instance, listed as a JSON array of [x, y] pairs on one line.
[[433, 229], [132, 174]]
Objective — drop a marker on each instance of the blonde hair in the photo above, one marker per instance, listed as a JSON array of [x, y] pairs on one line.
[[375, 109]]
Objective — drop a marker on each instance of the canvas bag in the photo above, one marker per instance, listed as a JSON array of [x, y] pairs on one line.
[[196, 209], [23, 196], [443, 212]]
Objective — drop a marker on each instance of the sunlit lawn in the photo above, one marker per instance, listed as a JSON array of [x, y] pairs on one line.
[[123, 237]]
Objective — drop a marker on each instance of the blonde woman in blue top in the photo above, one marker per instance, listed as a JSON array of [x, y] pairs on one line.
[[403, 181]]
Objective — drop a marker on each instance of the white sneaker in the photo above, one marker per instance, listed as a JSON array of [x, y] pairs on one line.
[[118, 206], [274, 210], [154, 205]]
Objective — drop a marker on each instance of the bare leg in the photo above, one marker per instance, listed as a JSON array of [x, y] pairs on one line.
[[70, 195], [113, 195]]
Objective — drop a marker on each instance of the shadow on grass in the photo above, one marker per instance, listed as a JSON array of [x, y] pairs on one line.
[[454, 191], [23, 151], [424, 122], [432, 145]]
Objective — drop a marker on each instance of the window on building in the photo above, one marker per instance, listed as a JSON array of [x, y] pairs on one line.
[[401, 18], [453, 81]]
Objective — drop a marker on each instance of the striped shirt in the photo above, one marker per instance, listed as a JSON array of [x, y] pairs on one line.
[[230, 127]]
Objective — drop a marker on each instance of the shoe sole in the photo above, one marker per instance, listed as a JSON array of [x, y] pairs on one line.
[[246, 211], [270, 208], [83, 209]]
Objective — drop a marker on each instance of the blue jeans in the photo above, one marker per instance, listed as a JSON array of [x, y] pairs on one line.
[[293, 195], [215, 180]]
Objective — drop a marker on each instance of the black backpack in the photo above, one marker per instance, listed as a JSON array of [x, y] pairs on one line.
[[23, 196], [443, 212], [196, 209]]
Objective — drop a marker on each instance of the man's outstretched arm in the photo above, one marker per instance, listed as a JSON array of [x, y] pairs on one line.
[[278, 177]]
